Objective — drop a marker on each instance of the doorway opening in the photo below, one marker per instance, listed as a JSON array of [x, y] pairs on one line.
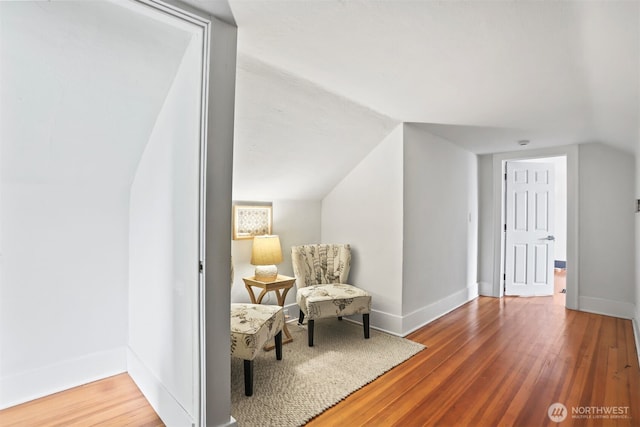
[[534, 227]]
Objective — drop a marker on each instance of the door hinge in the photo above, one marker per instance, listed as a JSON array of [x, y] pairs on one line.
[[504, 277], [200, 266], [505, 176], [505, 227]]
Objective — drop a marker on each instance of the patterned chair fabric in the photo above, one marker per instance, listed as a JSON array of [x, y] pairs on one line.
[[321, 273], [321, 264], [252, 325]]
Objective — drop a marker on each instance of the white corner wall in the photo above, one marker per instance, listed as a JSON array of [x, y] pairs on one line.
[[63, 287], [440, 227], [365, 210], [486, 226], [607, 247], [163, 347]]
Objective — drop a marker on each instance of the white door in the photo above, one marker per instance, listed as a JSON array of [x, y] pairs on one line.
[[529, 227]]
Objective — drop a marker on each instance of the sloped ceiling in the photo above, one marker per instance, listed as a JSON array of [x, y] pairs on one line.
[[293, 139], [319, 84], [81, 85], [483, 74]]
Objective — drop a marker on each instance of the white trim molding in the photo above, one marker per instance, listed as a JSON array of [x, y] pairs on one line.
[[427, 314], [26, 386], [161, 400], [607, 307], [387, 322], [485, 289]]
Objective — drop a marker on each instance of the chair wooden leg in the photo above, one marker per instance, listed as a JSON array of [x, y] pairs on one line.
[[339, 317], [301, 318], [278, 339], [248, 377], [310, 332], [365, 324]]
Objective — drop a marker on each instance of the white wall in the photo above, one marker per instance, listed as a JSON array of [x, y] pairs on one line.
[[486, 226], [607, 248], [163, 252], [63, 287], [75, 118], [440, 226], [296, 222], [365, 210]]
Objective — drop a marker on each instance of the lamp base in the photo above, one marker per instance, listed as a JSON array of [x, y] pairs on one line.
[[266, 273]]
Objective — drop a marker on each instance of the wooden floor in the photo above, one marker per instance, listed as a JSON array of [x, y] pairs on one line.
[[503, 362], [114, 401], [493, 362]]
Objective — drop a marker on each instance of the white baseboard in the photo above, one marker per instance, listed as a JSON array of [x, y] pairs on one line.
[[26, 386], [486, 289], [161, 400], [473, 291], [386, 322], [607, 307], [433, 311]]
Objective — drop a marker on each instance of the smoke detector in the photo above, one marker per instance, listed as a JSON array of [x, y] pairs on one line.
[[523, 142]]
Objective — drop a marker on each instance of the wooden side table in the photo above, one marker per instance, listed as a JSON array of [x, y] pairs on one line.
[[281, 287]]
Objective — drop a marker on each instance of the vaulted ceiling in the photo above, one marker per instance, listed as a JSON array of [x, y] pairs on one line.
[[483, 74]]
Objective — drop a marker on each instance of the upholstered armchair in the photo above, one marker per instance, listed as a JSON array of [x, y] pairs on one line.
[[321, 273]]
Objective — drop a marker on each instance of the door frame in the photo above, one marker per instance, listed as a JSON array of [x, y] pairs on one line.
[[196, 23], [499, 169], [219, 39]]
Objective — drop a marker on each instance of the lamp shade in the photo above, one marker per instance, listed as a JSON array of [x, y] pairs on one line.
[[266, 250]]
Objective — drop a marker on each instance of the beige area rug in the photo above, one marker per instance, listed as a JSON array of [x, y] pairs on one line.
[[309, 380]]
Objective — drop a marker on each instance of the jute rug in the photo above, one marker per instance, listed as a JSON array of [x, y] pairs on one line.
[[309, 380]]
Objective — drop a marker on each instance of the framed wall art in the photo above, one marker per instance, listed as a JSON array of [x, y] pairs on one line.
[[251, 220]]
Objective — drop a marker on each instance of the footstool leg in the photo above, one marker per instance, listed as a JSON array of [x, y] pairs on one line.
[[248, 377], [365, 324], [310, 332], [278, 339]]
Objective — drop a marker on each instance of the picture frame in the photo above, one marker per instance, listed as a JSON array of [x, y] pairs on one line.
[[251, 220]]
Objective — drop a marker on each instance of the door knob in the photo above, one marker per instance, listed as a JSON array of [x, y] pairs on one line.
[[552, 238]]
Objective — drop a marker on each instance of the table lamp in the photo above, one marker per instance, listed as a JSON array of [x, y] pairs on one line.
[[265, 253]]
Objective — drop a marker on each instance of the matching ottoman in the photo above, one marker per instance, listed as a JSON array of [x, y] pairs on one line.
[[252, 325]]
